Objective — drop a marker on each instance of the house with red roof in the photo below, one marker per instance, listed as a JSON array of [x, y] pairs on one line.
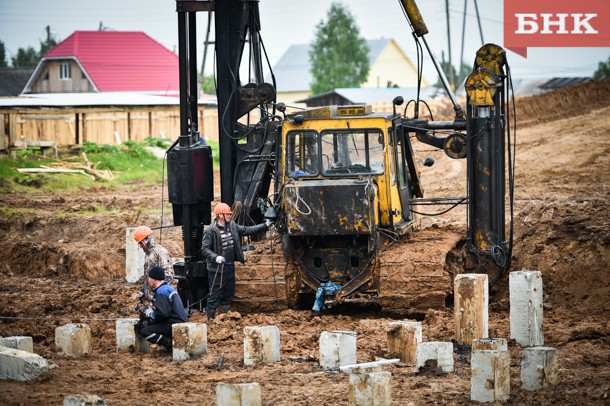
[[106, 61]]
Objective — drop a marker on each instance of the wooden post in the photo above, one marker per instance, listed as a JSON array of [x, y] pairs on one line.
[[539, 368], [337, 348], [436, 351], [490, 376], [189, 340], [239, 394], [261, 345], [403, 339], [3, 132], [84, 128], [150, 133], [373, 388], [77, 129], [129, 125], [526, 313], [471, 298], [12, 128], [491, 344]]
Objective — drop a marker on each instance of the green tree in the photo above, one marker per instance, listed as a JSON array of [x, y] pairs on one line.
[[28, 57], [208, 85], [49, 43], [3, 63], [465, 70], [339, 57], [603, 70], [25, 58]]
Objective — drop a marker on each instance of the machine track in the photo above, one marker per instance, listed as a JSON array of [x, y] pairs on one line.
[[414, 275], [259, 283]]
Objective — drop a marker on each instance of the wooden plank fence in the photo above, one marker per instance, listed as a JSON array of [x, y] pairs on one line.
[[67, 127]]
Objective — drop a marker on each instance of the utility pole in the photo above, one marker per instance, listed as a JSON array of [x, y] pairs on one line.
[[449, 65], [463, 36], [205, 46], [476, 7]]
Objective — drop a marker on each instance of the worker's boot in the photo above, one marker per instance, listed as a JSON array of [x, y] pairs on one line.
[[211, 314], [223, 309], [166, 342]]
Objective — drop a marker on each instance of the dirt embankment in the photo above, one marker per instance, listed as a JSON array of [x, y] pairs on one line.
[[63, 261]]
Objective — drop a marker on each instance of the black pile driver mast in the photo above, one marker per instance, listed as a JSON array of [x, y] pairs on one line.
[[486, 121], [246, 136]]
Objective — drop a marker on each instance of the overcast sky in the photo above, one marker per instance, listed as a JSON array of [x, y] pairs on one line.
[[286, 22]]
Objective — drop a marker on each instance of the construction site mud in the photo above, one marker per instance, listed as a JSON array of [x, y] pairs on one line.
[[63, 261]]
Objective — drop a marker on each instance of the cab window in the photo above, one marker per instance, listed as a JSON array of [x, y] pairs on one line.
[[302, 156], [352, 152]]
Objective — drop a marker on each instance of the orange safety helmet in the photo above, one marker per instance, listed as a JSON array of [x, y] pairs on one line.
[[222, 208], [141, 233]]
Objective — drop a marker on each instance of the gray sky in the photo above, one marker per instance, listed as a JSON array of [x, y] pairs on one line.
[[286, 22]]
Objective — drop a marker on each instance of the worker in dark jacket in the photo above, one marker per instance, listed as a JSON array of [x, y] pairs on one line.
[[166, 309], [221, 246]]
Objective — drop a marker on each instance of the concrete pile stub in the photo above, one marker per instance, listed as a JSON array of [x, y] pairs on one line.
[[403, 339], [438, 351], [21, 365], [23, 343], [491, 344], [490, 376], [127, 339], [239, 394], [539, 368], [74, 339], [471, 300], [337, 348], [189, 340], [134, 257], [84, 400], [526, 313], [370, 389], [261, 345]]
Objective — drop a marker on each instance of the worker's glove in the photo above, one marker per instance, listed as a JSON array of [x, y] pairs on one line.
[[220, 259], [144, 321], [149, 312], [268, 222], [141, 296]]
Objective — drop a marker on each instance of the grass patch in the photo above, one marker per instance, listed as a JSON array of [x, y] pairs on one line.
[[18, 213], [215, 153], [130, 163], [89, 210]]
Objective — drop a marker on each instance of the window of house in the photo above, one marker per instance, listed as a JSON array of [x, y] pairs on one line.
[[65, 70]]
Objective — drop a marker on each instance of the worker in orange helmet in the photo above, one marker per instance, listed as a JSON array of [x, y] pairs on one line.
[[155, 255], [221, 247]]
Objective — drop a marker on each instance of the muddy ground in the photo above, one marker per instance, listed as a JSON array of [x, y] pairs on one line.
[[62, 261]]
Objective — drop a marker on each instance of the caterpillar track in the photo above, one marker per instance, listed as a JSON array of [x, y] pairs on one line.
[[413, 275], [413, 272]]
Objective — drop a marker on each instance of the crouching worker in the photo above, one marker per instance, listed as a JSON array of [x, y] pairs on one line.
[[166, 309]]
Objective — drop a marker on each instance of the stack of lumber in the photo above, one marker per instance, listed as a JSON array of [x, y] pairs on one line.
[[83, 167]]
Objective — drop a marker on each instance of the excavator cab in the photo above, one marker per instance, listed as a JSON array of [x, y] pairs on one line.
[[343, 178]]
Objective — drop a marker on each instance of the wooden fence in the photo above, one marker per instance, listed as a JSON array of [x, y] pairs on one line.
[[65, 127]]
